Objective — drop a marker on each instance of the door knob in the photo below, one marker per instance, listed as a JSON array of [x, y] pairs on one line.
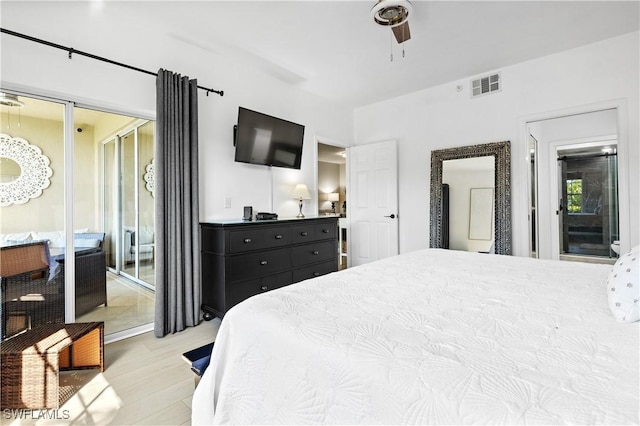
[[392, 216]]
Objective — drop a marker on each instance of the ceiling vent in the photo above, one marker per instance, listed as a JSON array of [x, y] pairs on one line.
[[485, 85]]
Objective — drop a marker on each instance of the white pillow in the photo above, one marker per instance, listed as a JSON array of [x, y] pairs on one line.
[[86, 242], [623, 287], [20, 236], [56, 238]]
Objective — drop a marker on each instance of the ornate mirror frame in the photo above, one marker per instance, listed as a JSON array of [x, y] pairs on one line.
[[34, 171], [502, 153]]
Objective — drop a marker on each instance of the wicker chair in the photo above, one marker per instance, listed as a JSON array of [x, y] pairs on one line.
[[29, 298], [91, 276], [33, 283]]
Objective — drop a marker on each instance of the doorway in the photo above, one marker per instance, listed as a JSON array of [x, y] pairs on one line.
[[578, 210], [332, 192]]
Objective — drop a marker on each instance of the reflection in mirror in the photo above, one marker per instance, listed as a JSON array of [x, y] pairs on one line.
[[481, 214], [468, 229], [499, 153], [9, 170]]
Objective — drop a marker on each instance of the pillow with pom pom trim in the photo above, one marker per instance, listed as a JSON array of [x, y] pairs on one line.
[[623, 287]]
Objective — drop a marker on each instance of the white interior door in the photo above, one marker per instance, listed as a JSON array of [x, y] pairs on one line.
[[373, 201]]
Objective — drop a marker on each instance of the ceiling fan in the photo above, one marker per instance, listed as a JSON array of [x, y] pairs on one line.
[[394, 14]]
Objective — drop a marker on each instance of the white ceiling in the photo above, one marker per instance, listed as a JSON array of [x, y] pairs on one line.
[[333, 48]]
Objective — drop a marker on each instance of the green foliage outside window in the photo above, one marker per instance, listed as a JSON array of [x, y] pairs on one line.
[[574, 195]]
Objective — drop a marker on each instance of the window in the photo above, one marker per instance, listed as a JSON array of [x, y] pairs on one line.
[[574, 196]]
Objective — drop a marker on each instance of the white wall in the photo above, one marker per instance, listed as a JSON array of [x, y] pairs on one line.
[[35, 68], [442, 117]]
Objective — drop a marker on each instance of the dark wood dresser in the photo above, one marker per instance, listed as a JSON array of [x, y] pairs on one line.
[[240, 259]]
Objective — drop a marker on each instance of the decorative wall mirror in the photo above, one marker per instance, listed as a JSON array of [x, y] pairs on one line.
[[150, 178], [501, 151], [24, 171]]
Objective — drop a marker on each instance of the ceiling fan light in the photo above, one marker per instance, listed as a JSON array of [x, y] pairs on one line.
[[391, 13], [7, 99]]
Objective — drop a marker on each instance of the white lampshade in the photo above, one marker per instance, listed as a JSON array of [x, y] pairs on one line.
[[301, 192], [334, 196]]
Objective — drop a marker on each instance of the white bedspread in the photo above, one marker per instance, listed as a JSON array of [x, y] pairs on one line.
[[433, 336]]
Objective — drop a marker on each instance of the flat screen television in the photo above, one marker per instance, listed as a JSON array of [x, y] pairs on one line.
[[266, 140]]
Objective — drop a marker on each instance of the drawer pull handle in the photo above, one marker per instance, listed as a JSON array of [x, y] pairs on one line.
[[316, 252], [325, 231], [263, 262], [316, 274], [264, 288], [247, 240], [304, 233], [278, 237]]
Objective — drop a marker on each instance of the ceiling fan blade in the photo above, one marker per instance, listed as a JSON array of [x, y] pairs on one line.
[[402, 32]]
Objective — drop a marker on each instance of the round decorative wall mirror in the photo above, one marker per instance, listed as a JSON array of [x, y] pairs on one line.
[[24, 171]]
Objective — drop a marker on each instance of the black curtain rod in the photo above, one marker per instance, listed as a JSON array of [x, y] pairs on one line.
[[72, 51]]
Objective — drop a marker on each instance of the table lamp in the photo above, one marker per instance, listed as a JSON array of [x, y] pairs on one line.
[[302, 193], [333, 197]]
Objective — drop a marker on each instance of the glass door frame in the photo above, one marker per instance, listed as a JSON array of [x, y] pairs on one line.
[[595, 143]]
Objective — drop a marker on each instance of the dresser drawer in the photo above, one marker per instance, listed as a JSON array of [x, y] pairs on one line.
[[252, 265], [244, 240], [246, 289], [326, 231], [314, 270], [314, 253], [303, 233]]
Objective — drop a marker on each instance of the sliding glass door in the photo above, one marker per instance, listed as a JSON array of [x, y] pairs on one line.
[[33, 205], [74, 180]]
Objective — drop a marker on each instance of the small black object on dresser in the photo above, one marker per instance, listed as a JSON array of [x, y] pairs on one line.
[[241, 259]]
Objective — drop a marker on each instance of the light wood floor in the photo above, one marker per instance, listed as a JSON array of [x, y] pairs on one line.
[[129, 305], [145, 382]]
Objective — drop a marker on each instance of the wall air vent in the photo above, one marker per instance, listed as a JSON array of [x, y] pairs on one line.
[[485, 85]]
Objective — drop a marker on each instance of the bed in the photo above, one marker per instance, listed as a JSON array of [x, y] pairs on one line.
[[428, 337]]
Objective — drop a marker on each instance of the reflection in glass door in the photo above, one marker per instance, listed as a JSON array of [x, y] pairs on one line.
[[129, 203], [128, 223], [137, 211]]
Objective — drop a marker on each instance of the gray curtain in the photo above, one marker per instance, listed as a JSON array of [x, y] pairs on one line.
[[178, 294]]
